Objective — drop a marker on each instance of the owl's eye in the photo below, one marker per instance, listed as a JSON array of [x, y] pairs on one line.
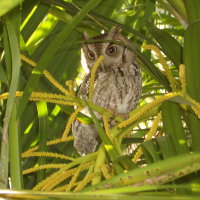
[[91, 55], [111, 50]]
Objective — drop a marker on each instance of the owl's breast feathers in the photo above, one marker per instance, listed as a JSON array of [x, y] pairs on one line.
[[118, 89]]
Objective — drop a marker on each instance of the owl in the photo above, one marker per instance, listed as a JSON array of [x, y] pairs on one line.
[[117, 86]]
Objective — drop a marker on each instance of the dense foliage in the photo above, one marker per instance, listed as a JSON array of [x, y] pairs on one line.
[[153, 154]]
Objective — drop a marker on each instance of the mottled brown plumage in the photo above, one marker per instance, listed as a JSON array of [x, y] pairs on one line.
[[117, 84]]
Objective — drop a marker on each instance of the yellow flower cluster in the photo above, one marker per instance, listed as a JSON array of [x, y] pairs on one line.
[[53, 81], [74, 178], [84, 182], [6, 94], [137, 155], [105, 171], [44, 95], [196, 111], [54, 180], [107, 128], [31, 153], [47, 97], [60, 140], [70, 121], [154, 127], [149, 136], [42, 167], [70, 85], [92, 78], [46, 154], [28, 61], [147, 107], [195, 107], [171, 79], [46, 74], [49, 143], [182, 77]]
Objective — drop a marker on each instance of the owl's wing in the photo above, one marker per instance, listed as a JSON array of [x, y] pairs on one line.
[[84, 87]]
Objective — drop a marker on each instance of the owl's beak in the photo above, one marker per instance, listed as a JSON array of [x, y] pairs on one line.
[[103, 67]]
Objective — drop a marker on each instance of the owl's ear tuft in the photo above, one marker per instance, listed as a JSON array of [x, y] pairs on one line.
[[116, 29], [114, 32], [86, 36]]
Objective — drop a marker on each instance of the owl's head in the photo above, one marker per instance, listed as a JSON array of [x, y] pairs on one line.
[[114, 55]]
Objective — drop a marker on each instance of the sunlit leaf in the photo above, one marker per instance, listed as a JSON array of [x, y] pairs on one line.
[[7, 5]]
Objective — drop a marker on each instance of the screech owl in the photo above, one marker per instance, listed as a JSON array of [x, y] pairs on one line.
[[117, 85]]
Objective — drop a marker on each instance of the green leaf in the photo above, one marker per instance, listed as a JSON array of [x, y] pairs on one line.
[[73, 10], [6, 6], [179, 6], [163, 171], [150, 151], [43, 132], [166, 146], [191, 59], [194, 126], [10, 34], [31, 24], [148, 194], [170, 46], [152, 70], [15, 151], [149, 9], [176, 8], [106, 8], [193, 10], [3, 76], [172, 123]]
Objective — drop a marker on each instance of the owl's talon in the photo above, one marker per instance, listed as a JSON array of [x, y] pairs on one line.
[[111, 112], [124, 116]]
